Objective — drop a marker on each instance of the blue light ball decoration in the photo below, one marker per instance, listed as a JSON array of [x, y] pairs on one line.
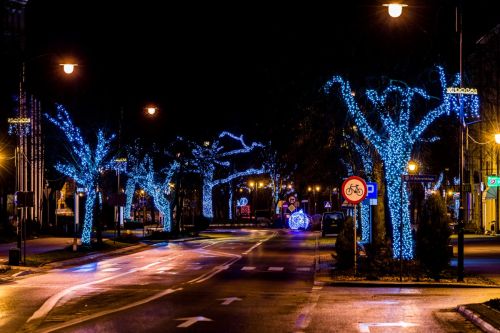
[[242, 202], [298, 220]]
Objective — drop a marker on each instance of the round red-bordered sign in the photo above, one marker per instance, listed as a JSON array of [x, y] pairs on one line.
[[354, 189]]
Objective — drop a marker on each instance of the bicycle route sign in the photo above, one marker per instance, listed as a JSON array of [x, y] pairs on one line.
[[354, 190]]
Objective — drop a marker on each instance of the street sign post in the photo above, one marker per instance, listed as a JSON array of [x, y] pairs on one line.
[[354, 190]]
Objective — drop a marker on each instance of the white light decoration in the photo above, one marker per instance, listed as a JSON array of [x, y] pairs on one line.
[[394, 141], [298, 220], [211, 157], [86, 163]]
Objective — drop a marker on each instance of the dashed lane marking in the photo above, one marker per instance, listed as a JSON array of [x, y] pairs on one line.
[[248, 268], [275, 269]]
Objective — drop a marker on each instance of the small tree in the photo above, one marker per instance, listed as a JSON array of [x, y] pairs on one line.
[[433, 236]]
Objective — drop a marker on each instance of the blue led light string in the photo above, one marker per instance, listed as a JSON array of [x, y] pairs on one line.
[[394, 143], [298, 220], [86, 164], [209, 157], [158, 186]]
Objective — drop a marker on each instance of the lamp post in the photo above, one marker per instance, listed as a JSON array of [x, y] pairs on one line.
[[29, 164], [395, 10], [412, 169], [497, 210]]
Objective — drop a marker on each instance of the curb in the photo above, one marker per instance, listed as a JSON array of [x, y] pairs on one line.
[[476, 319], [385, 284]]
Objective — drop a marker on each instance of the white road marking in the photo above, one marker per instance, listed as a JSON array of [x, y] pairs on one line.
[[275, 269], [248, 268], [106, 312], [188, 321], [365, 327], [259, 243], [304, 269], [52, 301], [228, 300]]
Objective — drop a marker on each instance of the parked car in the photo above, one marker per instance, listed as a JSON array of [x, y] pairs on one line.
[[331, 222]]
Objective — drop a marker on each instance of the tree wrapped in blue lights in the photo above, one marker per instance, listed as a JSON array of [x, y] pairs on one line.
[[135, 173], [86, 164], [394, 138], [209, 158], [157, 184]]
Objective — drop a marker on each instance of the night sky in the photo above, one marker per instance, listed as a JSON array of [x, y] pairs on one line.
[[242, 65]]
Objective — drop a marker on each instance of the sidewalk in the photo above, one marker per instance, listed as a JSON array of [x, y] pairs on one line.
[[483, 316]]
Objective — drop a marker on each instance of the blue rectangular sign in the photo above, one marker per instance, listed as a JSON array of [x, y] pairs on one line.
[[372, 190]]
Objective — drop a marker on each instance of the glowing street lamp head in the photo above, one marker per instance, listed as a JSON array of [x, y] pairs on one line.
[[497, 138], [395, 9], [412, 167], [151, 110], [68, 68]]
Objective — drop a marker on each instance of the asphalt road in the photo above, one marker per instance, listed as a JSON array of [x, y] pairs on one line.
[[481, 256], [239, 281]]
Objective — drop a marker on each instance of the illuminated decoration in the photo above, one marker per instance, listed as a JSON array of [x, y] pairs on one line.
[[230, 204], [429, 189], [86, 163], [20, 126], [158, 186], [298, 220], [367, 162], [464, 91], [394, 141], [135, 172], [211, 157], [464, 102], [242, 202]]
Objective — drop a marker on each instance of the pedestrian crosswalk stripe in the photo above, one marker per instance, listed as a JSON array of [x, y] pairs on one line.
[[248, 268], [275, 269]]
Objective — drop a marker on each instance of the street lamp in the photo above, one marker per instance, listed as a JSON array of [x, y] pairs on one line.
[[29, 166], [151, 110], [412, 169], [314, 189], [68, 68], [497, 210], [395, 9]]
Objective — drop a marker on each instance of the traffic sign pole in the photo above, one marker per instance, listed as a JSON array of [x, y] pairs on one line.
[[354, 191]]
